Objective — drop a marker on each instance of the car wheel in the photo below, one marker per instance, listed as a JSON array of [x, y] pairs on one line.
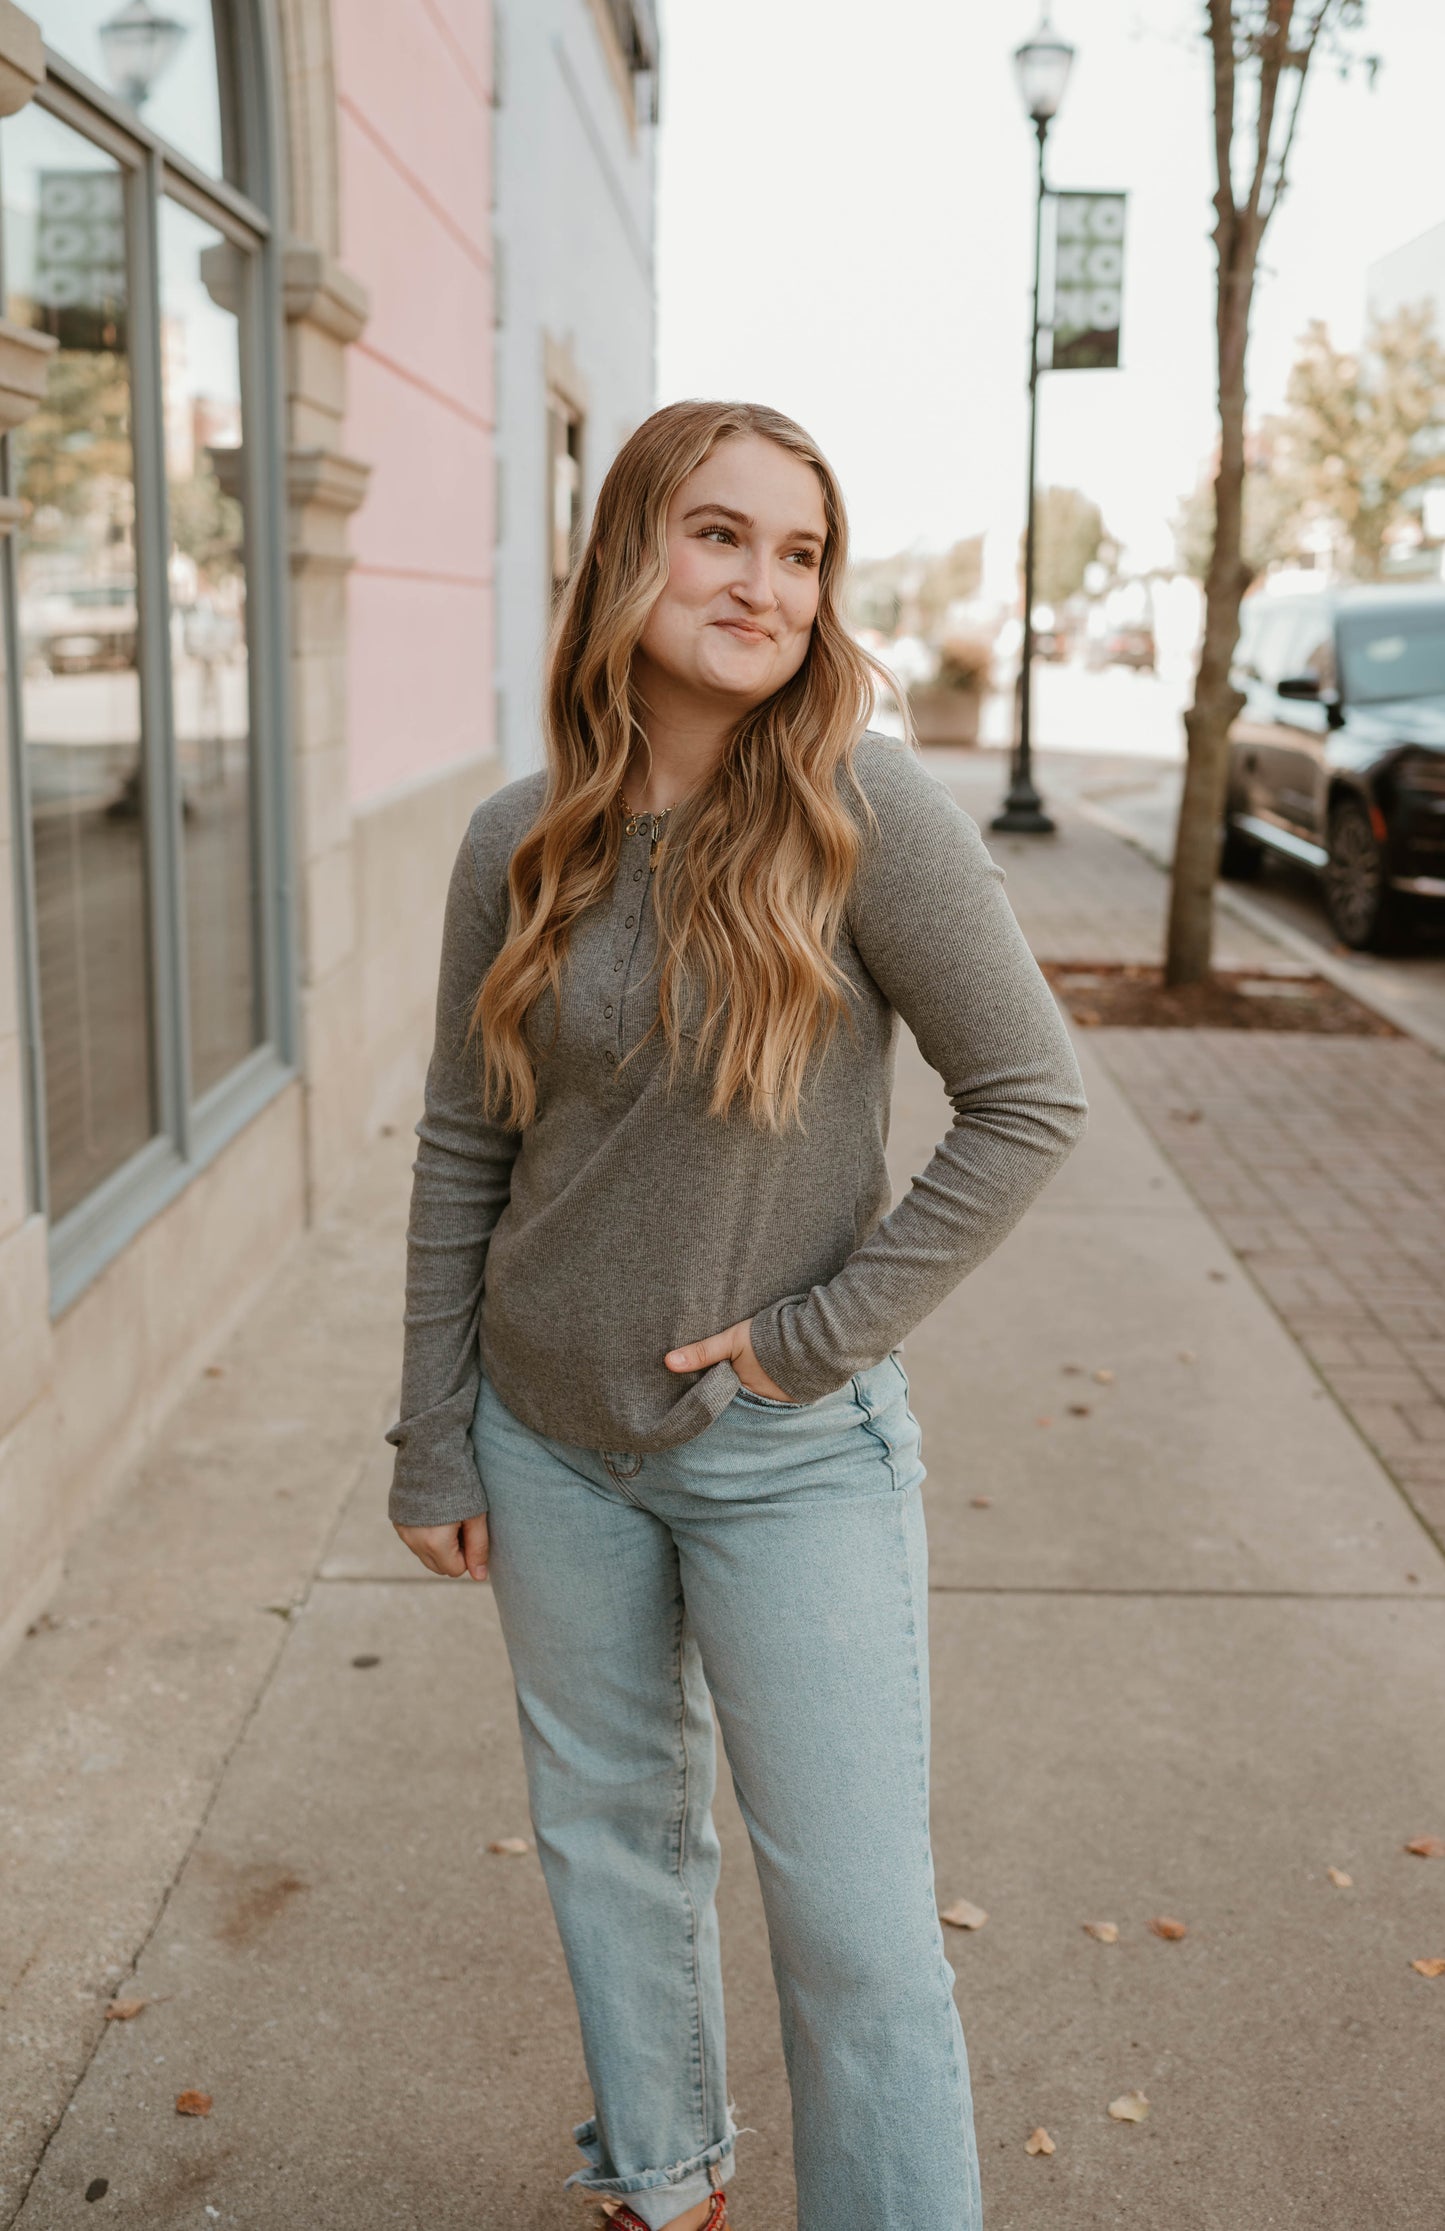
[[1364, 912], [1240, 858]]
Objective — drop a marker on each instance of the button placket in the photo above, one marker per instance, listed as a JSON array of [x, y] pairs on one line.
[[624, 947]]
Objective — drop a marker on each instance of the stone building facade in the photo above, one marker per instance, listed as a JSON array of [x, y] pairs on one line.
[[247, 558]]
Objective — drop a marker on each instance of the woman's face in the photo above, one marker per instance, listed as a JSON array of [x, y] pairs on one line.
[[745, 537]]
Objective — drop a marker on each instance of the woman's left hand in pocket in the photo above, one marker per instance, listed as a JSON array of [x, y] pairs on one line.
[[735, 1346]]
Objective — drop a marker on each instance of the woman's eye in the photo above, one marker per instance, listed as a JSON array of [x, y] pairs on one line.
[[725, 533], [805, 557]]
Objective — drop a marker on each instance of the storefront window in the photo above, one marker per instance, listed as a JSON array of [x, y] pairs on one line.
[[138, 681], [201, 279], [163, 60], [77, 629]]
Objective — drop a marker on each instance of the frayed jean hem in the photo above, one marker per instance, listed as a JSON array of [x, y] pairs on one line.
[[657, 2195]]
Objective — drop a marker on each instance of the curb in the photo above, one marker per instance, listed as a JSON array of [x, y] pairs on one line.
[[1346, 978]]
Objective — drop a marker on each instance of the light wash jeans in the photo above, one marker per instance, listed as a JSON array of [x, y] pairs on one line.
[[778, 1560]]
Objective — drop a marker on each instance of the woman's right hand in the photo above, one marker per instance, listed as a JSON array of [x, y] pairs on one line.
[[451, 1550]]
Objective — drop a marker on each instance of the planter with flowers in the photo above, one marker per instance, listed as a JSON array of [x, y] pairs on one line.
[[947, 709]]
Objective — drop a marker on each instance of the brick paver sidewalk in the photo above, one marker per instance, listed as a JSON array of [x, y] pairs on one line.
[[1321, 1160]]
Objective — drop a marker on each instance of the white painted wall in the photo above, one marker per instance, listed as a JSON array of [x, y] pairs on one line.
[[1408, 275], [574, 230]]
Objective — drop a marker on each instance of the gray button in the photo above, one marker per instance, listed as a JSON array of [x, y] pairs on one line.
[[610, 1058], [607, 1010], [615, 966], [637, 875], [631, 921]]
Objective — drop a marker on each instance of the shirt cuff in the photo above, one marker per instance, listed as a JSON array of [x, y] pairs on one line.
[[783, 1358], [445, 1491]]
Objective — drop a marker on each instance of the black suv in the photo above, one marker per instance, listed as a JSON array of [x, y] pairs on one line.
[[1338, 757]]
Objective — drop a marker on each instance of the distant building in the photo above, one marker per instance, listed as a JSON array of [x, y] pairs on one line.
[[1409, 275], [575, 345], [1402, 280]]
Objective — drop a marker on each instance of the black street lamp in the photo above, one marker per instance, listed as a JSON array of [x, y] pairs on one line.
[[1041, 66]]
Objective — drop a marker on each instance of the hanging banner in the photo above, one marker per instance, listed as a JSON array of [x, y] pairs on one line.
[[80, 279], [1088, 281]]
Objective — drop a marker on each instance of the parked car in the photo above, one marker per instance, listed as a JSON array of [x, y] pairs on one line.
[[1337, 758], [86, 627]]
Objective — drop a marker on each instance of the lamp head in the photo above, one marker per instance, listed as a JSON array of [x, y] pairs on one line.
[[137, 45], [1042, 66]]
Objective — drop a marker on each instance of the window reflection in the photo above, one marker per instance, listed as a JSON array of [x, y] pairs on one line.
[[75, 559], [201, 280], [164, 58]]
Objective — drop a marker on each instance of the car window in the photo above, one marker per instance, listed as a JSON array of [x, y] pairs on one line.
[[1249, 616], [1312, 649], [1399, 652], [1277, 630]]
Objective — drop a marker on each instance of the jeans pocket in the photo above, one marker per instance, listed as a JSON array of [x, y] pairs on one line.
[[765, 1401]]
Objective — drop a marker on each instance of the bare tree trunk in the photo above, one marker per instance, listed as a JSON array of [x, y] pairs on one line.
[[1273, 36], [1216, 700]]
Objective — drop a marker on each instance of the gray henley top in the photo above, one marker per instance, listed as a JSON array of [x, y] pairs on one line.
[[567, 1259]]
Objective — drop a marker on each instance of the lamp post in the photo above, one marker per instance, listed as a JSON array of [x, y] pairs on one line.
[[137, 45], [1041, 66]]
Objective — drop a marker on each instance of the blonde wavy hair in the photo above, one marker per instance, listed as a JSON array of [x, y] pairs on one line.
[[753, 879]]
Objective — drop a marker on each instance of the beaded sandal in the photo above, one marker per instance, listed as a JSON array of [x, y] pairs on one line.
[[716, 2219]]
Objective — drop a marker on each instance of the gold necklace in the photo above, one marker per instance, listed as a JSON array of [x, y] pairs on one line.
[[633, 825]]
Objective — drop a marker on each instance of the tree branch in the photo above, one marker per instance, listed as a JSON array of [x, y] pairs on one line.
[[1305, 57], [1221, 39], [1273, 47]]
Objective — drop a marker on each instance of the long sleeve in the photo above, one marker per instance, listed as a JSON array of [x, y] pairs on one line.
[[460, 1183], [934, 930]]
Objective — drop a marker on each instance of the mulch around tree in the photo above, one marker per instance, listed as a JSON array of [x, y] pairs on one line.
[[1111, 994]]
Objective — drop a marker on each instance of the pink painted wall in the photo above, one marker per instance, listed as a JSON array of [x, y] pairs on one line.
[[414, 91]]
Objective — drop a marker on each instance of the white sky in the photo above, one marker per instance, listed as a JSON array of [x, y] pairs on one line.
[[845, 231]]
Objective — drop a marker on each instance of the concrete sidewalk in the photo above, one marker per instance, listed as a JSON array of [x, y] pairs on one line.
[[1187, 1658]]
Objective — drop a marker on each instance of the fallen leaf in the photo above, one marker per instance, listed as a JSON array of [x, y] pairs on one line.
[[510, 1847], [961, 1915], [1129, 2107], [1078, 1409], [1427, 1847], [215, 1371], [97, 2188], [1340, 1879], [125, 2010], [1072, 1370], [365, 1660], [1038, 2142], [1171, 1931], [1428, 1967], [1104, 1377], [1107, 1932], [1043, 1421], [193, 2103], [981, 1502]]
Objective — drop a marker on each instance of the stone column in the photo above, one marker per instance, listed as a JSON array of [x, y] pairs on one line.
[[325, 310]]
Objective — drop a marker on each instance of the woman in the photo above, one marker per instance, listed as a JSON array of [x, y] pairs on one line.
[[654, 1304]]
